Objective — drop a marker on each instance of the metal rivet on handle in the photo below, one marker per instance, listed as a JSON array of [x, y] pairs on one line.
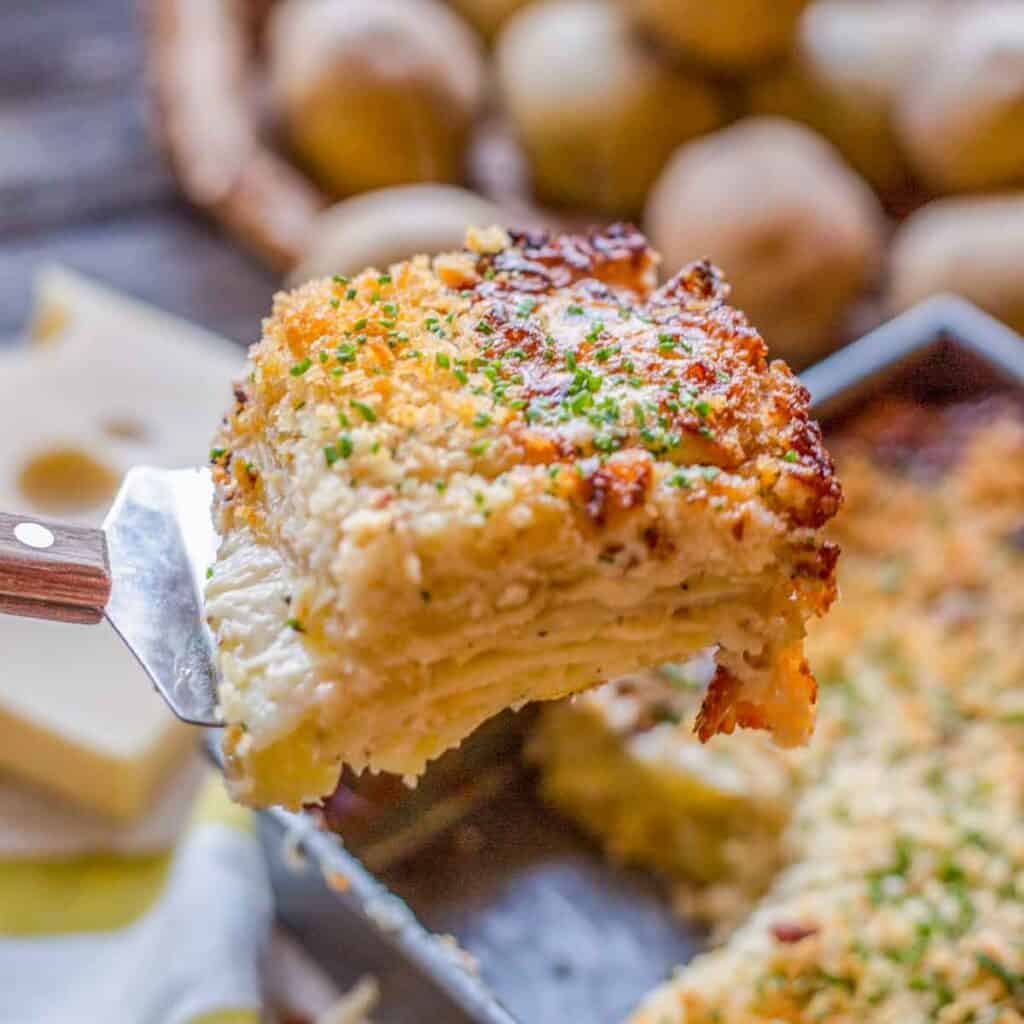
[[34, 535]]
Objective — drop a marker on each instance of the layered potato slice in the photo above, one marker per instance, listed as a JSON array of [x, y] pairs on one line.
[[506, 474]]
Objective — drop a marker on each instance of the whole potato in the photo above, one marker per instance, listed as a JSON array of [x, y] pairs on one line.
[[729, 35], [596, 112], [797, 232], [379, 228], [962, 118], [487, 16], [850, 63], [973, 247], [374, 93]]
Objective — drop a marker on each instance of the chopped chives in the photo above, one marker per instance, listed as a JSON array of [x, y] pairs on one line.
[[364, 410]]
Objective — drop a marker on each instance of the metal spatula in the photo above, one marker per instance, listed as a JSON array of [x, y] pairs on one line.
[[143, 572]]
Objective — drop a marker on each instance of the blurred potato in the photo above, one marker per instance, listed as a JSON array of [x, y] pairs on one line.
[[851, 61], [962, 118], [379, 228], [372, 93], [487, 16], [596, 112], [729, 35], [797, 232], [973, 247]]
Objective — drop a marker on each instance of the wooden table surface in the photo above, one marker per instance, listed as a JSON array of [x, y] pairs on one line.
[[82, 182]]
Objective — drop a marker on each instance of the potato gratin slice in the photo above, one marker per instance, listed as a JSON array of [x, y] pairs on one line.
[[506, 474]]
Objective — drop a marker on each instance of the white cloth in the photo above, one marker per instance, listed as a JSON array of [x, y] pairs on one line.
[[197, 950]]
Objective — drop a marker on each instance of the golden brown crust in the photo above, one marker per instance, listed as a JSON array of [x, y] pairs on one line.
[[724, 372], [724, 707], [698, 366]]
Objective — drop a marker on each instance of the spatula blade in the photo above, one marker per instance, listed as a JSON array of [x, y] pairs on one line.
[[161, 540]]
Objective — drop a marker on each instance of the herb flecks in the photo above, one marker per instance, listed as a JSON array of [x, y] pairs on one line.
[[364, 410]]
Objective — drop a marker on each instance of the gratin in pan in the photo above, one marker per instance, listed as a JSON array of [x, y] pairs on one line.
[[546, 930]]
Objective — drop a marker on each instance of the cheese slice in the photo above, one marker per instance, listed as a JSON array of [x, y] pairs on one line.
[[109, 383]]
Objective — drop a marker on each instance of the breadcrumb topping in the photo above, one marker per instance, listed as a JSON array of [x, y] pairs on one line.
[[904, 898]]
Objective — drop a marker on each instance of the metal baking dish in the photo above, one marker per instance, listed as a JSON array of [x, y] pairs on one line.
[[560, 935]]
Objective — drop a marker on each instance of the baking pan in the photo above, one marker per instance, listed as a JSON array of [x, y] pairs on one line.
[[559, 935]]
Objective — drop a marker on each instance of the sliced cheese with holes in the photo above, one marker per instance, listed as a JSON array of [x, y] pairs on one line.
[[110, 383]]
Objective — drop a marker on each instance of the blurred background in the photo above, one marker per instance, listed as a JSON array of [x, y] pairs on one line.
[[840, 160]]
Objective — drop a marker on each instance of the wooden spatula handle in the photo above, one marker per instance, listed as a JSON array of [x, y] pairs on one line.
[[50, 570]]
